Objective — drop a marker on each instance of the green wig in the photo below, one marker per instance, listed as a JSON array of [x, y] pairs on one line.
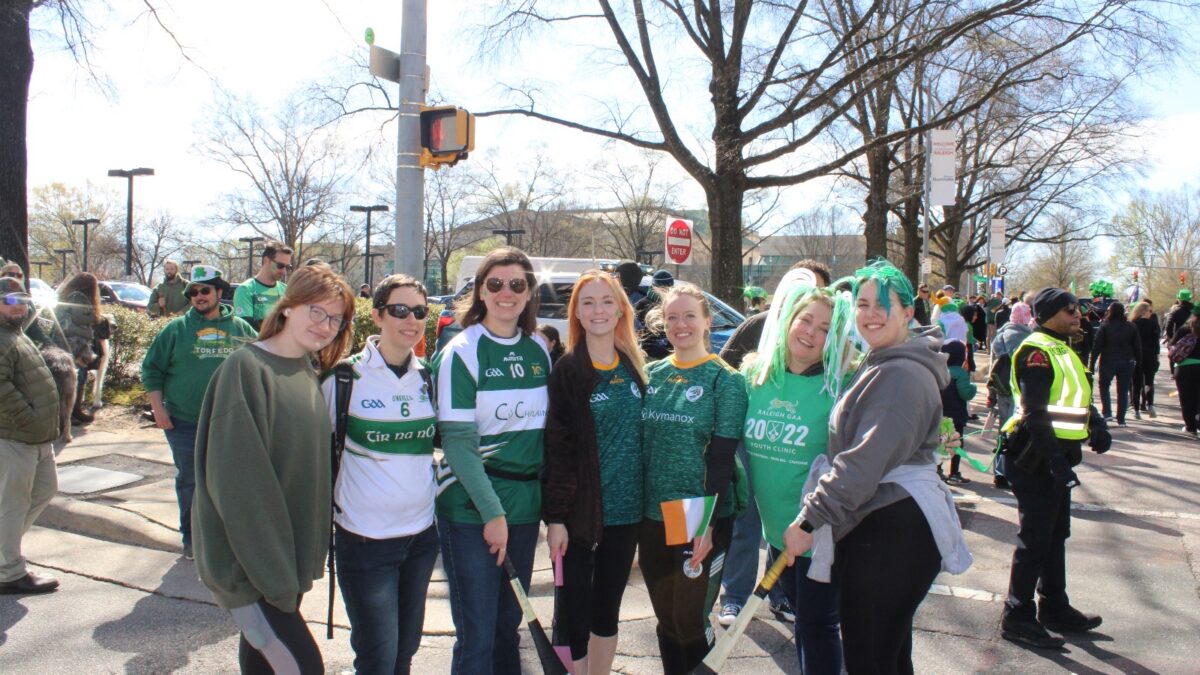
[[838, 354], [888, 278]]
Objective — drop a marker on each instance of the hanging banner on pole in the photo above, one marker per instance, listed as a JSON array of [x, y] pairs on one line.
[[679, 241], [943, 183], [996, 241]]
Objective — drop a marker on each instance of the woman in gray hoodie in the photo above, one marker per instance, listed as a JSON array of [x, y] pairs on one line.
[[880, 508]]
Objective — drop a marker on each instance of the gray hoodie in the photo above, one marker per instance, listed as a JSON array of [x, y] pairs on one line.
[[890, 415], [1009, 337]]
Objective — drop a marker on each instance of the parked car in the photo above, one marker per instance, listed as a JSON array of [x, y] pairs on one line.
[[227, 294], [125, 293], [44, 296]]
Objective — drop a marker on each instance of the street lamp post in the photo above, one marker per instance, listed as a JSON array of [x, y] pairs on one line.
[[188, 264], [40, 264], [371, 263], [129, 175], [250, 253], [63, 252], [85, 222], [367, 249], [508, 235]]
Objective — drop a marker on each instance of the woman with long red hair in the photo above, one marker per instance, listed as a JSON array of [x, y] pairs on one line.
[[592, 497]]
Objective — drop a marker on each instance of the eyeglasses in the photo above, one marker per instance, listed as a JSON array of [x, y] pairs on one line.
[[401, 311], [495, 284], [17, 299], [283, 266], [319, 315], [198, 290]]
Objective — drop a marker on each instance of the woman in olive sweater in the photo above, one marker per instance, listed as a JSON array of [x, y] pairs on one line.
[[592, 498], [261, 511]]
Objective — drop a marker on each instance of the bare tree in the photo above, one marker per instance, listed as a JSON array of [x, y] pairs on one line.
[[1065, 263], [157, 239], [536, 202], [1159, 234], [52, 209], [642, 199], [448, 210], [293, 174]]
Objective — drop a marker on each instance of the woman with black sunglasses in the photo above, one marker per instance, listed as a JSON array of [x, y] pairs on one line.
[[386, 540], [492, 401]]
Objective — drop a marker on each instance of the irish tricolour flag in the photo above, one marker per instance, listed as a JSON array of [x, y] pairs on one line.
[[686, 519]]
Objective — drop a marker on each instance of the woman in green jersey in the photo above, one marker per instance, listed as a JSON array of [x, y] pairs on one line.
[[491, 388], [592, 493], [792, 384], [691, 421]]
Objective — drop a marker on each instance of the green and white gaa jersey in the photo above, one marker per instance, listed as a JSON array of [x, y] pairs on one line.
[[385, 487], [616, 405], [500, 385], [253, 300], [686, 405], [787, 426]]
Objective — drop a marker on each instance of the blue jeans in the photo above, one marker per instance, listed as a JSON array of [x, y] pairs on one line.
[[741, 561], [182, 440], [384, 582], [1123, 371], [485, 613], [818, 628]]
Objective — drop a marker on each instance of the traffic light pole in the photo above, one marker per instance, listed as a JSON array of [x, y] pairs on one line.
[[410, 177]]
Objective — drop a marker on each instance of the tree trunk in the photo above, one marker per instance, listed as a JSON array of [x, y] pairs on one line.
[[725, 220], [952, 225], [16, 68], [875, 216]]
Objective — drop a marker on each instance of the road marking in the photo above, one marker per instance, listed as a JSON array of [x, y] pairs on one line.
[[1094, 508], [965, 593]]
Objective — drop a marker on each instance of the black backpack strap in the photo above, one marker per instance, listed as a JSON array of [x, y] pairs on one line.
[[343, 374]]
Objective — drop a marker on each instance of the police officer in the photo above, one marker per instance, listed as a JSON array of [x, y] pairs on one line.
[[1046, 433]]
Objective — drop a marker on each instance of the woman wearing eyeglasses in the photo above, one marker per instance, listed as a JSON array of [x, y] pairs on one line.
[[383, 501], [260, 515], [491, 388]]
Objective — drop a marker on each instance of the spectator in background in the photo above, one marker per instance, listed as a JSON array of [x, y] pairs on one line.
[[176, 370], [167, 299], [29, 422], [364, 291], [1118, 348], [956, 396], [1002, 314], [78, 313], [654, 342], [921, 308], [1146, 322], [1187, 372], [553, 342], [255, 297], [630, 275]]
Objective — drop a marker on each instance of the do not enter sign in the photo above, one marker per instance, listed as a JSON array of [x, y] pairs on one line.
[[679, 241]]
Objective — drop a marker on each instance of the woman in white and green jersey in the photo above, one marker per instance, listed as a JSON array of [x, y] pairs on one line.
[[691, 421], [491, 392], [792, 383], [386, 540]]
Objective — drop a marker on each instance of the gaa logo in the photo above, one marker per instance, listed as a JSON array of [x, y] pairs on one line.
[[693, 394], [493, 372], [372, 404]]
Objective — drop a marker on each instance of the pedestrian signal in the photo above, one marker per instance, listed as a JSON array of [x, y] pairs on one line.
[[447, 135]]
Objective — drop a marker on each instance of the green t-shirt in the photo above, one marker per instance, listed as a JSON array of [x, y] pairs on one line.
[[787, 426], [499, 384], [686, 405], [253, 300], [616, 405]]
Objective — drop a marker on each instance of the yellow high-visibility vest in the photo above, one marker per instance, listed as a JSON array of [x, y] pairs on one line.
[[1070, 393]]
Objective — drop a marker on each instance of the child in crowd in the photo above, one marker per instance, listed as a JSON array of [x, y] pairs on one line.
[[955, 397]]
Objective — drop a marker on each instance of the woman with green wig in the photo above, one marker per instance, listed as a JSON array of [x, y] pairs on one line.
[[792, 385], [879, 508]]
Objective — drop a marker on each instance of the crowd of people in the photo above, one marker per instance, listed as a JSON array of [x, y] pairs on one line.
[[790, 436]]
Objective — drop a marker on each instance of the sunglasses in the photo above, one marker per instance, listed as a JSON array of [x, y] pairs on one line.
[[17, 299], [401, 311], [495, 284], [198, 290], [15, 274], [283, 266]]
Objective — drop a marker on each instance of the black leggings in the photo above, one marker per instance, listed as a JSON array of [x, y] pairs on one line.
[[682, 604], [274, 641], [885, 567], [1187, 382], [1143, 382], [593, 584]]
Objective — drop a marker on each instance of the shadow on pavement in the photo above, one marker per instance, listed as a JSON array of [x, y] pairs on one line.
[[153, 632], [992, 527], [1126, 520], [11, 613]]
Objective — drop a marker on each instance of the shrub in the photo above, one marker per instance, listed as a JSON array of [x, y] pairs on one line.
[[364, 327], [133, 331]]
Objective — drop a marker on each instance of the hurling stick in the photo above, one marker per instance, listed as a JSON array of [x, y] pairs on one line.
[[551, 664], [720, 652]]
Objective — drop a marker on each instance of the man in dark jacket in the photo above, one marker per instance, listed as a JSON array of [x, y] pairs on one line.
[[29, 423], [1054, 391], [1179, 313], [1118, 348]]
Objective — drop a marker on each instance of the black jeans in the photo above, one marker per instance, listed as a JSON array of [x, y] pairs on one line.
[[1187, 382], [682, 604], [1123, 372], [885, 566], [593, 585], [1040, 560], [817, 628], [1143, 382]]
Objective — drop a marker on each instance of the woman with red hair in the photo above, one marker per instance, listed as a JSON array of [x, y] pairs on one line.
[[592, 498]]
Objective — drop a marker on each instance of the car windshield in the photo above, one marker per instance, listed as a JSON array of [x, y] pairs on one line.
[[40, 286], [132, 292]]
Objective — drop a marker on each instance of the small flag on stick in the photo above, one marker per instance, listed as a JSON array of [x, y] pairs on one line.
[[686, 519]]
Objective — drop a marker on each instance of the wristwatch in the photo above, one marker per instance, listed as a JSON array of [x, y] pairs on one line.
[[806, 526]]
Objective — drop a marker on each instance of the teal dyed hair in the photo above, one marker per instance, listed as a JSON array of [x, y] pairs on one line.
[[888, 278], [837, 355]]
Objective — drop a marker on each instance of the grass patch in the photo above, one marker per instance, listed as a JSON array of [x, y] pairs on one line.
[[133, 395]]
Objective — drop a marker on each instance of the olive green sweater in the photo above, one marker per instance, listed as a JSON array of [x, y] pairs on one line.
[[28, 395], [261, 512]]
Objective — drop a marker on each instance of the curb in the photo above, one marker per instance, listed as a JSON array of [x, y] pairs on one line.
[[109, 523]]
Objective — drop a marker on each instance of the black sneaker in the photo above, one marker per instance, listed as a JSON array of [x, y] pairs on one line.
[[1029, 633], [1001, 482], [1069, 620], [783, 611]]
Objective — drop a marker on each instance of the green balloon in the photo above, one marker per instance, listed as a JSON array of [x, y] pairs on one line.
[[369, 35]]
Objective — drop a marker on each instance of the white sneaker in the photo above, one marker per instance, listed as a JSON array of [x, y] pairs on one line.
[[729, 614]]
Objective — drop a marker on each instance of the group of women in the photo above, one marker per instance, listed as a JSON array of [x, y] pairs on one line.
[[844, 477]]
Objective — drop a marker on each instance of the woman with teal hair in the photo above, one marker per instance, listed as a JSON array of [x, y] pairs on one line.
[[880, 509], [792, 385]]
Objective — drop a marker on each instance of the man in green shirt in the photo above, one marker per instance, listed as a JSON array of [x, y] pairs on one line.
[[176, 372], [167, 298], [255, 297]]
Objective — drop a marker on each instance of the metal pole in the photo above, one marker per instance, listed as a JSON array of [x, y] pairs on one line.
[[85, 245], [129, 228], [410, 177], [367, 253], [250, 260], [925, 211]]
